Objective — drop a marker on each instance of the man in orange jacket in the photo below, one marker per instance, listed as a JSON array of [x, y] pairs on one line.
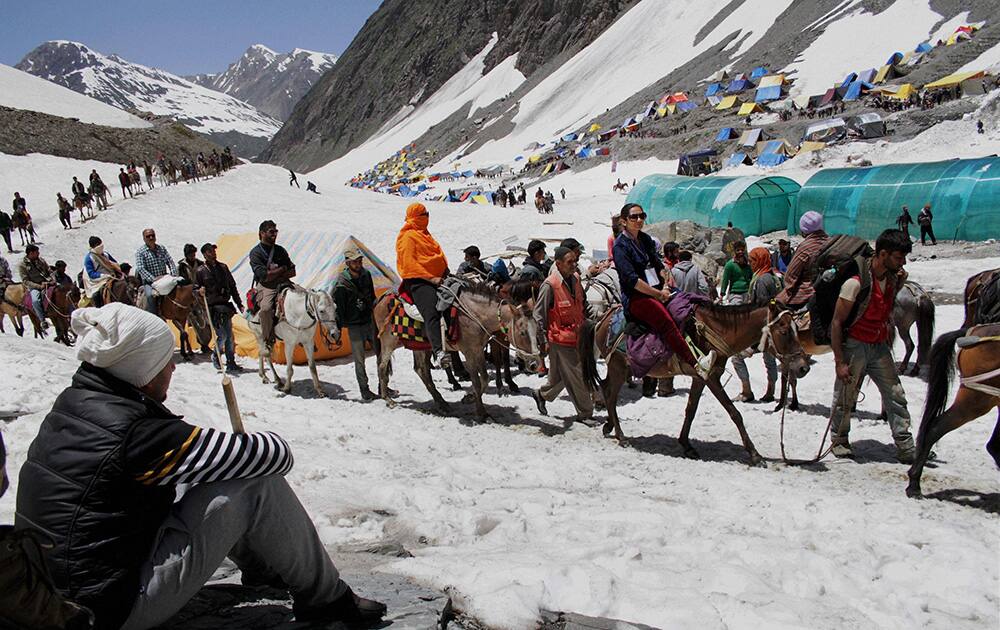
[[422, 265], [560, 310]]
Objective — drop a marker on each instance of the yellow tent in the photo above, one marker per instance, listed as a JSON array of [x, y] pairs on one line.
[[593, 128], [481, 200], [661, 112], [810, 146], [728, 103], [771, 80], [956, 37], [904, 92], [953, 80], [750, 108], [548, 168], [881, 75], [319, 260], [534, 158]]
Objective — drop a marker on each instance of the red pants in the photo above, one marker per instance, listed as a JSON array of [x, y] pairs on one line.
[[654, 314]]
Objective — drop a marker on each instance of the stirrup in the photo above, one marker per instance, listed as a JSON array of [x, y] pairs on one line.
[[705, 364]]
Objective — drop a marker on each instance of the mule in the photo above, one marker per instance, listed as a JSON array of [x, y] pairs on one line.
[[305, 311], [81, 203], [913, 305], [973, 290], [482, 315], [978, 392], [603, 292], [731, 330]]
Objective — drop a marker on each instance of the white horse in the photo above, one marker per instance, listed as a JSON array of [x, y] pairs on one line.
[[305, 311], [603, 292]]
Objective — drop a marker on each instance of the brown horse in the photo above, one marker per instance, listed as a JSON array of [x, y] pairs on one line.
[[978, 394], [731, 330], [482, 315], [58, 305], [13, 307], [973, 290], [176, 307]]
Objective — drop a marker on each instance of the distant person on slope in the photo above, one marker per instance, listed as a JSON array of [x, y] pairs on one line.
[[925, 219], [126, 183], [422, 265], [292, 179], [801, 272]]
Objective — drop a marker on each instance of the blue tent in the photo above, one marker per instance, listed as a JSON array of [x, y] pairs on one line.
[[518, 158], [686, 106], [584, 153], [570, 137], [726, 133], [771, 159], [854, 90], [739, 158], [770, 93], [849, 79], [924, 47], [896, 58], [758, 72], [469, 174], [713, 89], [738, 85]]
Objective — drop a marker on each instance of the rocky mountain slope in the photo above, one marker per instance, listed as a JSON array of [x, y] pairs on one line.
[[270, 81], [134, 87]]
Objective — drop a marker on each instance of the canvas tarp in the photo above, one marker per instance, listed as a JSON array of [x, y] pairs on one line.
[[714, 100], [885, 73], [728, 103], [779, 146], [867, 125], [923, 48], [685, 106], [750, 108], [809, 146], [751, 137], [953, 80], [893, 59], [867, 75], [676, 97], [764, 94], [736, 159], [904, 92], [738, 85], [973, 86], [957, 37], [713, 89], [594, 127], [719, 76], [857, 89], [830, 96], [772, 80], [826, 131], [758, 72], [769, 160], [319, 260]]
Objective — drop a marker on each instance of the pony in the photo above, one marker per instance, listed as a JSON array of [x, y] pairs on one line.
[[175, 307], [913, 305], [305, 311], [727, 330], [13, 307]]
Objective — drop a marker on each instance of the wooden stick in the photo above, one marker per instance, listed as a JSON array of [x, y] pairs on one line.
[[232, 405]]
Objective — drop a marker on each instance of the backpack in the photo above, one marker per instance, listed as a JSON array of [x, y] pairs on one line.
[[842, 257]]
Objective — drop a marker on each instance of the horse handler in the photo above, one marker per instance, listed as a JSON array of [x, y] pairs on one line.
[[559, 311], [100, 479]]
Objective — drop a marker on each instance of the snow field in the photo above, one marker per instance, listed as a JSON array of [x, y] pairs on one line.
[[522, 514]]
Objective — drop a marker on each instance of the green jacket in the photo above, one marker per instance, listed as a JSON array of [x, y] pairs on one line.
[[355, 298], [736, 277]]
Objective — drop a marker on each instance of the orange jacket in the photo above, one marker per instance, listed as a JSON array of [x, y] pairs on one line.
[[566, 315], [418, 255]]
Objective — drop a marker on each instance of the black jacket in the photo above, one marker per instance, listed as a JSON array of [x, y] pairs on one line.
[[258, 262], [77, 485], [220, 287], [355, 298]]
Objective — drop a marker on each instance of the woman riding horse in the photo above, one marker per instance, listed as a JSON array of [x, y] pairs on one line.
[[422, 265], [644, 296]]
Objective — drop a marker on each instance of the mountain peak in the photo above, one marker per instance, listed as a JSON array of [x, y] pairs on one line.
[[261, 49]]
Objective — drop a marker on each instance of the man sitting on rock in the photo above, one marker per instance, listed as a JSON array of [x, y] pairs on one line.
[[100, 479]]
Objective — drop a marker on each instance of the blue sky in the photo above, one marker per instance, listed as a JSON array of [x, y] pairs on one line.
[[155, 33]]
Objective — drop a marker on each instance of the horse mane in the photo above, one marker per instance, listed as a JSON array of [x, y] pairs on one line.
[[481, 288], [731, 314], [523, 289]]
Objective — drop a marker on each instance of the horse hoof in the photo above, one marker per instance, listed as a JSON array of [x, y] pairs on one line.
[[794, 406], [624, 442], [913, 491], [756, 461], [320, 393]]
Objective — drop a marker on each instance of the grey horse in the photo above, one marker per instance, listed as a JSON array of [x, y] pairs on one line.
[[914, 305]]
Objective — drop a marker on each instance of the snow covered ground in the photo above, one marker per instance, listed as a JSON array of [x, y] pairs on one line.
[[523, 514]]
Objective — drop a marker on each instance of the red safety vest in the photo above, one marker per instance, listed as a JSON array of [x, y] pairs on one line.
[[566, 314], [872, 326]]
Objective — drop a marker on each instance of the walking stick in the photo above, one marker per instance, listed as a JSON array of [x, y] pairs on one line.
[[232, 405]]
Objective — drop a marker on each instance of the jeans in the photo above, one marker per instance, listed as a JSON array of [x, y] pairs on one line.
[[222, 322], [150, 298], [424, 296], [37, 304], [258, 523], [358, 336], [875, 361]]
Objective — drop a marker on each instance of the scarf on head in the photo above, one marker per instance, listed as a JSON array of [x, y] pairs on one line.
[[760, 260], [418, 255]]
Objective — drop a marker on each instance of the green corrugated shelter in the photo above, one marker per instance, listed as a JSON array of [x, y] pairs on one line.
[[964, 197], [755, 204]]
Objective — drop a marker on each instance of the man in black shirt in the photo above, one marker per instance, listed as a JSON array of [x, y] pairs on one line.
[[272, 272], [220, 294]]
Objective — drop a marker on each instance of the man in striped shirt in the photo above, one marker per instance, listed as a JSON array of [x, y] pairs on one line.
[[100, 479]]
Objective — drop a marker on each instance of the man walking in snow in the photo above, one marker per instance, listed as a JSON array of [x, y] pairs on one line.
[[126, 182], [292, 179], [220, 295], [101, 478], [924, 219], [65, 212], [354, 295]]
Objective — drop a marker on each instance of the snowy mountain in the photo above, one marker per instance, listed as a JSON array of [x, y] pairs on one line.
[[270, 81], [132, 86], [527, 71]]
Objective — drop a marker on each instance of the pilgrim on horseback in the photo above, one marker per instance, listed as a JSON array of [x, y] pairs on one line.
[[472, 263], [560, 311], [101, 478], [100, 269], [642, 275], [273, 271], [801, 272], [221, 293], [422, 265], [860, 340], [354, 295], [155, 269], [22, 220], [37, 279]]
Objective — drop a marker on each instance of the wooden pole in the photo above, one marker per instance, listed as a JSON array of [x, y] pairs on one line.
[[232, 405]]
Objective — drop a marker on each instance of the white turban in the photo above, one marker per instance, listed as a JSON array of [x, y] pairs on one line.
[[128, 342]]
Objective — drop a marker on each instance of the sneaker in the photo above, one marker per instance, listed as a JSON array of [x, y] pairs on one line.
[[705, 364], [539, 402], [842, 450], [353, 611]]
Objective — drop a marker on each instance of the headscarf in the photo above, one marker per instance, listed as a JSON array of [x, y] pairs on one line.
[[128, 342], [760, 260], [418, 255], [810, 222]]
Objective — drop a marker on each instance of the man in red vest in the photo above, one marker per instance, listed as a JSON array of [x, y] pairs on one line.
[[559, 311], [861, 345]]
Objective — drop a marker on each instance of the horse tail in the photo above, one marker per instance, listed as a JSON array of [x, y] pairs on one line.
[[925, 327], [586, 334], [942, 369]]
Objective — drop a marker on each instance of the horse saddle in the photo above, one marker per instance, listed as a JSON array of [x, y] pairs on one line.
[[165, 285]]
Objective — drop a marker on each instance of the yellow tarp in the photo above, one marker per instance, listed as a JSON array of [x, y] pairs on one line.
[[593, 128], [534, 158], [661, 112], [954, 79], [904, 92], [749, 108], [771, 80], [548, 169], [809, 146], [728, 103], [481, 200], [957, 37], [881, 74]]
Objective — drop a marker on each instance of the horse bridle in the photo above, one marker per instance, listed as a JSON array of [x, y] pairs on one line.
[[315, 319], [533, 352], [767, 337]]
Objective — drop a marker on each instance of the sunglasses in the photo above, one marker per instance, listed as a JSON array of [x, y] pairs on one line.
[[150, 237], [637, 217]]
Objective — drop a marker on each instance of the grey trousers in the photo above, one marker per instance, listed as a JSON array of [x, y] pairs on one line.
[[258, 523], [875, 361], [565, 372], [358, 335]]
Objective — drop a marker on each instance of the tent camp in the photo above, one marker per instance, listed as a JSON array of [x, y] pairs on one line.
[[770, 93], [570, 137], [594, 127], [713, 89], [971, 81], [925, 47], [857, 89], [751, 137], [758, 72], [772, 80], [867, 75], [809, 147], [830, 96], [739, 158], [893, 59], [584, 153], [784, 104], [698, 163], [750, 108], [754, 204], [826, 131], [728, 102], [885, 73], [739, 85], [867, 125], [607, 135], [676, 97], [685, 106], [726, 133], [849, 79], [719, 76], [773, 152], [957, 37], [863, 201], [319, 260]]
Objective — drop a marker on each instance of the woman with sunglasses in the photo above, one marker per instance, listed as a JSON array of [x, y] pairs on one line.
[[644, 294]]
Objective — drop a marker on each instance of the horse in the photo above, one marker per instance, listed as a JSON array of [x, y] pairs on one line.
[[176, 307], [13, 307], [727, 330], [973, 291], [978, 393], [25, 229], [603, 292], [913, 304], [81, 202], [619, 187], [482, 313], [59, 306], [304, 311]]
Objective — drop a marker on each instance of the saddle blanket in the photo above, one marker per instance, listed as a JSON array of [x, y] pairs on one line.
[[165, 284], [647, 350]]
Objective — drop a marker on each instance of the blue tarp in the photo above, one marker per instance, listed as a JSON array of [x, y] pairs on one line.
[[854, 90], [867, 75], [894, 59], [770, 93], [771, 159], [686, 106], [726, 133], [570, 137], [469, 174], [738, 85], [713, 89], [849, 79], [924, 47], [518, 158], [758, 72], [736, 159], [584, 153]]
